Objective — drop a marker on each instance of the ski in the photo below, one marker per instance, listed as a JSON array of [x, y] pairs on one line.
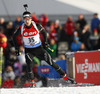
[[79, 84]]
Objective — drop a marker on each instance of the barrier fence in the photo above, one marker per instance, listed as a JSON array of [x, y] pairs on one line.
[[86, 66]]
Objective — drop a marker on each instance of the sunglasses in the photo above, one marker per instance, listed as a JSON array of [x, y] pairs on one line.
[[26, 19]]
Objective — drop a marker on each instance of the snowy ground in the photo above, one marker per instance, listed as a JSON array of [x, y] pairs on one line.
[[54, 90]]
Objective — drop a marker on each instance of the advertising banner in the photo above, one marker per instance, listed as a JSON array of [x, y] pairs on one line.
[[87, 67], [50, 72]]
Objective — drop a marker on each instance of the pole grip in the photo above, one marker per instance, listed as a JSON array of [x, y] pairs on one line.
[[51, 49]]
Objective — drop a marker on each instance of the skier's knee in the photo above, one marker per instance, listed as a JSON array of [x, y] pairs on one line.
[[30, 75], [28, 58]]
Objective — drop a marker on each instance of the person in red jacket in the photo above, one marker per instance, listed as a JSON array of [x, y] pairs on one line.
[[26, 84], [69, 29], [43, 19], [8, 83], [34, 18], [53, 33]]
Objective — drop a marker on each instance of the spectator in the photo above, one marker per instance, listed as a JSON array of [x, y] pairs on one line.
[[26, 84], [24, 77], [34, 18], [85, 37], [52, 32], [17, 82], [98, 43], [43, 19], [77, 29], [17, 68], [7, 54], [69, 27], [63, 35], [58, 29], [2, 30], [35, 70], [76, 44], [12, 57], [17, 22], [75, 34], [8, 83], [2, 23], [36, 60], [53, 46], [9, 73], [9, 30], [62, 57], [81, 21], [98, 29], [95, 22], [82, 47], [21, 58]]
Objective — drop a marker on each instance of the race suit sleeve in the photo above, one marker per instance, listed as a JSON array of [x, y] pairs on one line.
[[17, 38], [43, 31]]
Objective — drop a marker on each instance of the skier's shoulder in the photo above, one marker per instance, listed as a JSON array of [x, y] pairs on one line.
[[39, 26]]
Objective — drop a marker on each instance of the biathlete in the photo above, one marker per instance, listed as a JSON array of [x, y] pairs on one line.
[[29, 31]]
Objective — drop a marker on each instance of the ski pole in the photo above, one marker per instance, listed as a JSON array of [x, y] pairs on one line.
[[51, 49]]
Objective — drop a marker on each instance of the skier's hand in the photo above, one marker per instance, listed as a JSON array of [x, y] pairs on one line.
[[17, 52], [46, 44]]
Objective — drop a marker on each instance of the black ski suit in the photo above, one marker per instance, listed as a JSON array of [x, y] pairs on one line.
[[39, 52]]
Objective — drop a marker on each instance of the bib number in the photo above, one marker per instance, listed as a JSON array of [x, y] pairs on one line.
[[31, 40]]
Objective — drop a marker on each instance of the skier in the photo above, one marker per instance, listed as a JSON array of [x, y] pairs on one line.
[[29, 31]]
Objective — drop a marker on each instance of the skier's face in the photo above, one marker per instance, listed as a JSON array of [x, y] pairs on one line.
[[27, 21]]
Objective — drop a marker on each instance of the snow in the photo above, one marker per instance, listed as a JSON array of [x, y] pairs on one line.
[[53, 90]]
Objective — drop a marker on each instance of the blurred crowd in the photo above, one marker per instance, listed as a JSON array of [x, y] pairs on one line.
[[76, 35]]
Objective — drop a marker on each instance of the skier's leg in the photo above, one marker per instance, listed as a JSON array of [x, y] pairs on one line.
[[29, 62], [45, 56], [49, 60]]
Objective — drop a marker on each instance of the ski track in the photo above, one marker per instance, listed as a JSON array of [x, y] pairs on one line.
[[53, 90]]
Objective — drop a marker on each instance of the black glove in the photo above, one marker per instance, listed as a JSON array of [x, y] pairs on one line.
[[17, 52], [46, 44]]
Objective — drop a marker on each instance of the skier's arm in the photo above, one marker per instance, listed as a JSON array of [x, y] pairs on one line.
[[16, 34], [43, 31]]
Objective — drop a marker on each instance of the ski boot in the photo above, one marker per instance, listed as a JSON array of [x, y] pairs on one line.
[[32, 83], [68, 79]]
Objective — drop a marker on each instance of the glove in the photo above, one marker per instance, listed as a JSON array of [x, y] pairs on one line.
[[46, 44], [17, 52]]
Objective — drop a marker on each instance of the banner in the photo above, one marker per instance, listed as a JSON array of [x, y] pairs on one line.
[[50, 72], [87, 67]]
